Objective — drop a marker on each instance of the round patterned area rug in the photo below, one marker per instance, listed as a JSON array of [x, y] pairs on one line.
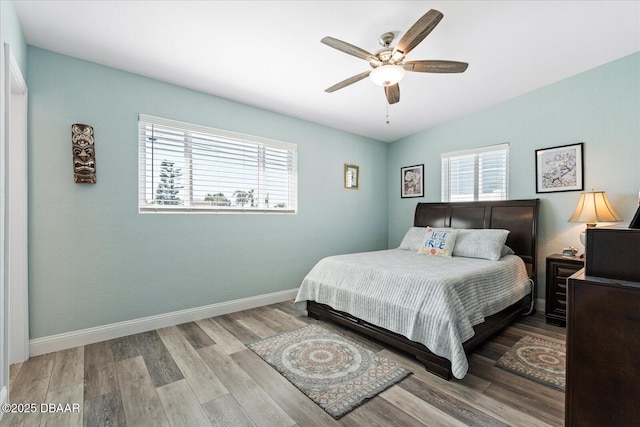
[[334, 372], [319, 361], [540, 360]]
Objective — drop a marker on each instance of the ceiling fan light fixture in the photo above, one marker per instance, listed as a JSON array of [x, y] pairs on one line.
[[397, 56], [387, 75]]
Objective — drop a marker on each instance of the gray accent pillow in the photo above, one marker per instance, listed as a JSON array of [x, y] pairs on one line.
[[480, 243], [413, 239], [506, 250]]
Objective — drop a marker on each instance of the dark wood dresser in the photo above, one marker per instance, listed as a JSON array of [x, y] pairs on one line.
[[603, 334], [559, 268]]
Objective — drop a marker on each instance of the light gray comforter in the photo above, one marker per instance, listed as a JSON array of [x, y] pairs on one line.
[[429, 299]]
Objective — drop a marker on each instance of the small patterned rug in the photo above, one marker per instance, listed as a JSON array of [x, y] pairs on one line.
[[537, 359], [337, 374]]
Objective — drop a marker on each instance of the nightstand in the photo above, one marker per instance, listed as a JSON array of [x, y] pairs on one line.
[[559, 268]]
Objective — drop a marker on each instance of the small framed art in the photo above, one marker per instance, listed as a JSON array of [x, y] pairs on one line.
[[351, 176], [412, 181], [560, 168]]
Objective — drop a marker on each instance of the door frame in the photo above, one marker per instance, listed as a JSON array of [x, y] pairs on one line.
[[16, 210]]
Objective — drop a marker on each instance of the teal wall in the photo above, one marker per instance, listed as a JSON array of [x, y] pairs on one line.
[[94, 260], [600, 107]]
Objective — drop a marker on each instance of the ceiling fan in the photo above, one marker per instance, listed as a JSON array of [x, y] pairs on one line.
[[387, 64]]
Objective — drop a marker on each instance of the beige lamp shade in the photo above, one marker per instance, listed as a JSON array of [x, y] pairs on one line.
[[594, 207]]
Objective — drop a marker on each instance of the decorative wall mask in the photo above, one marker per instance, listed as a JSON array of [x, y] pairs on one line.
[[84, 155]]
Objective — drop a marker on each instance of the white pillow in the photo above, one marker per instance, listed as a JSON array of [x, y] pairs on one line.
[[483, 243], [413, 238], [438, 241]]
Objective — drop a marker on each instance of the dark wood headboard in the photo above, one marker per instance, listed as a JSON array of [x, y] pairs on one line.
[[520, 217]]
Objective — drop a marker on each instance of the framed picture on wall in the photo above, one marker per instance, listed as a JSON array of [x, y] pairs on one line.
[[351, 176], [412, 181], [560, 168]]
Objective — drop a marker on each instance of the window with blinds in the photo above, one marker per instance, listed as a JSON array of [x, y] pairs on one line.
[[189, 168], [479, 174]]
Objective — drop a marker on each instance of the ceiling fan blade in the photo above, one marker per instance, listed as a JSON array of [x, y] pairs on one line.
[[418, 32], [348, 81], [436, 66], [347, 48], [393, 93]]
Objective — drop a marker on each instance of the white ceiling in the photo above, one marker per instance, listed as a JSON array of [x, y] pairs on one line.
[[268, 53]]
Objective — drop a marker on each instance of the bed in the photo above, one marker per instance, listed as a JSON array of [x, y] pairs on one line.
[[435, 308]]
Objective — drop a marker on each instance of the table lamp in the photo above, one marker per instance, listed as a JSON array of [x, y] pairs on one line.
[[593, 207]]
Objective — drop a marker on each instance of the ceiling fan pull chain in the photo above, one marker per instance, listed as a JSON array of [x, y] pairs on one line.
[[387, 112]]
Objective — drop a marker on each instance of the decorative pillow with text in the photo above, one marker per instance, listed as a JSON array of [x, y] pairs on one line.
[[439, 242]]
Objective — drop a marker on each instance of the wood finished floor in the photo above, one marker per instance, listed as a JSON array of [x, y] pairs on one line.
[[201, 374]]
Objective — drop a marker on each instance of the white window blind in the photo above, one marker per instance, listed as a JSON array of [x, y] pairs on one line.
[[190, 168], [478, 174]]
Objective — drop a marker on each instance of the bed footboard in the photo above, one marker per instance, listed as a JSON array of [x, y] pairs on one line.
[[435, 364]]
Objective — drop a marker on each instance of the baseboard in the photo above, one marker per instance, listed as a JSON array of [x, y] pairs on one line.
[[67, 340]]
